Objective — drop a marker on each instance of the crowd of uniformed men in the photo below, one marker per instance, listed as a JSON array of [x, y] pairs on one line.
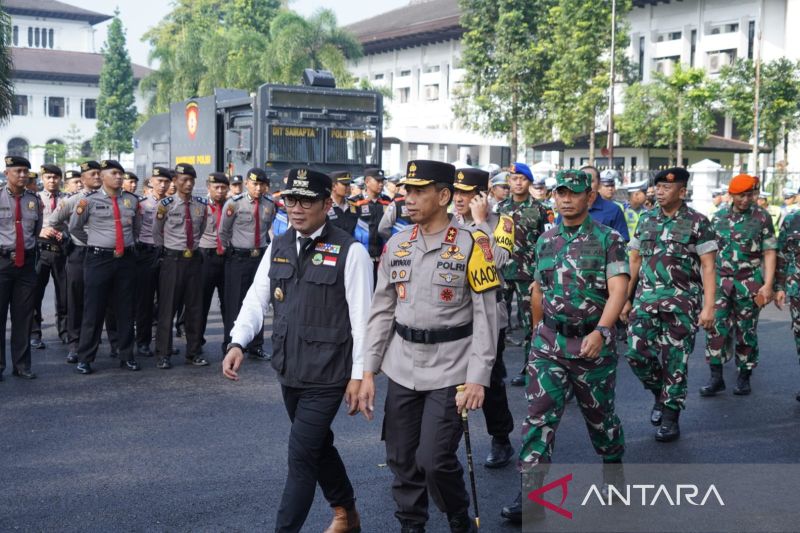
[[412, 278]]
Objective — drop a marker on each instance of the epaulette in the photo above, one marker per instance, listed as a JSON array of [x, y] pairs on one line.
[[237, 197], [268, 198], [168, 200], [88, 193], [201, 200], [141, 197]]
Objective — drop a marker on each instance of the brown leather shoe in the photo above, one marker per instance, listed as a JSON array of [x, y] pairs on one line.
[[345, 521]]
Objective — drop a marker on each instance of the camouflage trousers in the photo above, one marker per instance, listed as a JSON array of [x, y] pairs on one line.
[[794, 309], [521, 288], [660, 341], [593, 382], [735, 306]]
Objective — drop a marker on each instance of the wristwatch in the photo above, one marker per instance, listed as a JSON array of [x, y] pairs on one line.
[[606, 333], [233, 345]]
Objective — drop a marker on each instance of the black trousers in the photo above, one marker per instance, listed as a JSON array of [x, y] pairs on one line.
[[51, 265], [499, 422], [213, 277], [422, 430], [18, 295], [147, 263], [313, 458], [239, 274], [109, 283], [179, 282], [75, 305]]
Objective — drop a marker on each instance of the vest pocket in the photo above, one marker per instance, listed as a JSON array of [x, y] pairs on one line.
[[279, 329], [323, 357]]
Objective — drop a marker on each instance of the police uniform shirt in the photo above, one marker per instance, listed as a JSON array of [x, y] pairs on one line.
[[95, 214], [209, 237], [61, 216], [49, 207], [30, 213], [237, 227], [169, 228], [147, 205], [448, 284], [358, 293]]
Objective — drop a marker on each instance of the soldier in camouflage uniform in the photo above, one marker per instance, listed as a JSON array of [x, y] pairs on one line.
[[580, 283], [744, 236], [667, 251], [530, 218], [787, 273]]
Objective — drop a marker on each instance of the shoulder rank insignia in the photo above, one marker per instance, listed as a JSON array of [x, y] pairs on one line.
[[481, 270], [237, 197], [168, 200], [452, 233]]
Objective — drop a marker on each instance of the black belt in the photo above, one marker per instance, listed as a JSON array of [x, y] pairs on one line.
[[146, 246], [5, 252], [433, 336], [247, 252], [96, 250], [184, 254], [569, 330], [209, 252], [50, 247]]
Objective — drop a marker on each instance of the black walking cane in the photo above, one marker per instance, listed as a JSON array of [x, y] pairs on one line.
[[470, 465]]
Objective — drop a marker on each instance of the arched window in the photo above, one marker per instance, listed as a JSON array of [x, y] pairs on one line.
[[16, 35], [86, 149], [36, 37], [44, 38], [55, 152], [50, 37], [17, 146]]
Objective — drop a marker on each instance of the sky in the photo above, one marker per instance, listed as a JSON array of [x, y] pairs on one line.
[[140, 15]]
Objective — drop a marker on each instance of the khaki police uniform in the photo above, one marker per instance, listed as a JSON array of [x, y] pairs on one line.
[[213, 264]]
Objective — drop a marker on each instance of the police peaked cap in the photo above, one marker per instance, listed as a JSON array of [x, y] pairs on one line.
[[471, 179]]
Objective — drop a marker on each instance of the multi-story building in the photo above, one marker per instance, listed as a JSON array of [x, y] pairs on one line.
[[415, 51], [55, 50]]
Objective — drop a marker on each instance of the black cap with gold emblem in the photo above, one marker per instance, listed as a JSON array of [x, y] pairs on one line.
[[111, 164], [421, 172], [306, 183], [86, 166], [218, 177], [32, 175], [17, 161], [472, 179], [185, 168], [258, 175], [131, 176], [342, 176], [50, 169], [72, 174], [673, 175], [160, 172]]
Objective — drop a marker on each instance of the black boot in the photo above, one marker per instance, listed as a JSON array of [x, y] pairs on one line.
[[461, 522], [742, 387], [715, 382], [513, 512], [658, 408], [407, 526], [501, 454], [669, 429], [523, 506]]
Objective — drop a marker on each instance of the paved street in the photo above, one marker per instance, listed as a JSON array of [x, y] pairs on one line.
[[186, 450]]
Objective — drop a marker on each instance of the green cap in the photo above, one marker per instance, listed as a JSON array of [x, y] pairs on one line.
[[574, 180]]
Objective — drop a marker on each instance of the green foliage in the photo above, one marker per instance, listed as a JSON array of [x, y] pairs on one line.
[[578, 78], [204, 44], [116, 110], [505, 61], [6, 68]]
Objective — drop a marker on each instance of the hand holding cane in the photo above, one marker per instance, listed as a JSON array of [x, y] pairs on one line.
[[470, 464]]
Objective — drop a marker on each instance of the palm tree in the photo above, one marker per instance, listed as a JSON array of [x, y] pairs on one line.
[[6, 68]]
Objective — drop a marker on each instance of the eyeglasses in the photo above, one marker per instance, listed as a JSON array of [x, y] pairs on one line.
[[305, 203]]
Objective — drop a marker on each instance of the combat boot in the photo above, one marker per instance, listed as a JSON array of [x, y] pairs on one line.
[[715, 382], [409, 526], [461, 523], [658, 408], [514, 512], [742, 387], [669, 430]]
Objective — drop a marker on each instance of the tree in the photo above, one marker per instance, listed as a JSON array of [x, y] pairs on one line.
[[6, 68], [505, 65], [116, 109], [578, 77], [673, 111]]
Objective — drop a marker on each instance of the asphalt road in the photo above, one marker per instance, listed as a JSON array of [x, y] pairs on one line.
[[187, 450]]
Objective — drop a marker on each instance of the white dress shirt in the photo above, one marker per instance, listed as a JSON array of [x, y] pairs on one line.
[[358, 286]]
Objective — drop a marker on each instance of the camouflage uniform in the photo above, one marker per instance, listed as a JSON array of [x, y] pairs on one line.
[[787, 273], [668, 299], [573, 269], [530, 218], [742, 239]]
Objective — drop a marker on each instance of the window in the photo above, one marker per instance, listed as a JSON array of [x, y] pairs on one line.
[[675, 35], [377, 77], [431, 68], [86, 149], [56, 106], [751, 38], [50, 37], [20, 105], [36, 37], [403, 94], [432, 92], [641, 59], [693, 50], [18, 147], [30, 36], [44, 38], [15, 33], [405, 73], [54, 152], [731, 28], [90, 108]]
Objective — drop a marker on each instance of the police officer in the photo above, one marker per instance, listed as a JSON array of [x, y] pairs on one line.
[[91, 181], [745, 265], [433, 326], [244, 233], [471, 208], [671, 246], [319, 282], [634, 207], [20, 223], [340, 214], [498, 189], [148, 260], [72, 181], [52, 259], [236, 184], [395, 218], [213, 265], [179, 224], [129, 182], [538, 189], [111, 219], [608, 186], [369, 206]]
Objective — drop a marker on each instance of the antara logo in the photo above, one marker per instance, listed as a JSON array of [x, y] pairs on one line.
[[645, 495]]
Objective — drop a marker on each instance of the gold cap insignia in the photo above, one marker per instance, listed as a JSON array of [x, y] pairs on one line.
[[460, 176], [9, 160], [412, 170], [670, 177], [302, 173], [156, 172], [104, 164], [180, 170], [253, 176]]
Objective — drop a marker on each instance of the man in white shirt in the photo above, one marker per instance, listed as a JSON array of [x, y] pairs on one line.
[[318, 280]]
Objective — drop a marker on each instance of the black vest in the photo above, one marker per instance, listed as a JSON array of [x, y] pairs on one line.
[[401, 211], [344, 219], [311, 334]]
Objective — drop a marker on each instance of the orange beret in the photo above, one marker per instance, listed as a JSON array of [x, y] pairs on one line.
[[742, 183]]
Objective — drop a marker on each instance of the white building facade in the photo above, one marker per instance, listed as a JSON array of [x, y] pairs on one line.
[[55, 50]]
